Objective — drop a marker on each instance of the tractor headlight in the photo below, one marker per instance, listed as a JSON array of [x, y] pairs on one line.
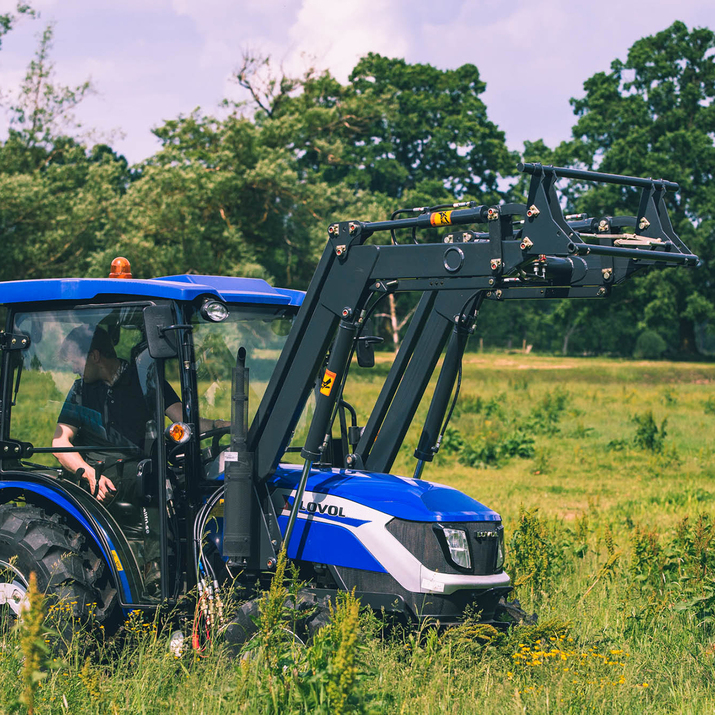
[[458, 545], [499, 565]]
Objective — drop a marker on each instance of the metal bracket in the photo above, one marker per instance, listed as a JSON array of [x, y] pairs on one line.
[[14, 341], [343, 235], [15, 449]]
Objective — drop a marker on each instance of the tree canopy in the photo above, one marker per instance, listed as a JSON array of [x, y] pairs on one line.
[[250, 190], [654, 115]]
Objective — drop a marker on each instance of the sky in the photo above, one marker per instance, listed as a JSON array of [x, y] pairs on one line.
[[152, 60]]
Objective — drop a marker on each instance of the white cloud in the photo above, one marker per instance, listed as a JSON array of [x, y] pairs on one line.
[[337, 34], [228, 28]]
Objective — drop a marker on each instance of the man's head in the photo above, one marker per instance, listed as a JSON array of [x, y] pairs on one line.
[[86, 350]]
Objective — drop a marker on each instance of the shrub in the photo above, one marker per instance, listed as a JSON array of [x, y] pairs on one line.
[[670, 399], [517, 445], [648, 435], [546, 414], [491, 449], [475, 404], [483, 453], [649, 346], [533, 555], [646, 556], [452, 441]]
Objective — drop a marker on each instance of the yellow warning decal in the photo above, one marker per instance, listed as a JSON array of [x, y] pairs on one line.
[[441, 218], [117, 562], [328, 382]]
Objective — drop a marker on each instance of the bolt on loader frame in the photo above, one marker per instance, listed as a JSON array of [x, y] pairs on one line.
[[404, 544]]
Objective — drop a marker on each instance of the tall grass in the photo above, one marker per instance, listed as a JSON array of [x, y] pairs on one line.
[[610, 543]]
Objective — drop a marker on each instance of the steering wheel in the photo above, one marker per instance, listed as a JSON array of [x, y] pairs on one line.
[[215, 436]]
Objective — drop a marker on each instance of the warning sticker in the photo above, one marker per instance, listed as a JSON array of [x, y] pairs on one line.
[[117, 562], [441, 218], [328, 381]]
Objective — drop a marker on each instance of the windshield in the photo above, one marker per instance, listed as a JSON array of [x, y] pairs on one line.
[[79, 363], [262, 331]]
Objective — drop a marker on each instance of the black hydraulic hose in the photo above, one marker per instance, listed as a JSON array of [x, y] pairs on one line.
[[368, 315], [463, 316], [436, 424], [452, 406]]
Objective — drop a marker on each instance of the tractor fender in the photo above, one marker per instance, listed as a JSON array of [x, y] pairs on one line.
[[61, 498]]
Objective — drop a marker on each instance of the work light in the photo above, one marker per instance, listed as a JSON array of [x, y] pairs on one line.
[[214, 310], [499, 565]]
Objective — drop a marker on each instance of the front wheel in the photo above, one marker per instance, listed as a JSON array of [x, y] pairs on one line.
[[73, 578], [304, 617]]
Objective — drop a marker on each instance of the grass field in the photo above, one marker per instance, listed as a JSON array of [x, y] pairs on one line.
[[603, 473]]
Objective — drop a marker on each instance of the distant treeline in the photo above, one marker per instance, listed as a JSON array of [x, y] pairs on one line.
[[252, 191]]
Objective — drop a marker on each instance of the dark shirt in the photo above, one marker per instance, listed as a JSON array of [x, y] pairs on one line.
[[112, 414]]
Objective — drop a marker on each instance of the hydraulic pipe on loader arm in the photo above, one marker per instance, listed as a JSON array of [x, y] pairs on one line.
[[451, 367], [400, 396]]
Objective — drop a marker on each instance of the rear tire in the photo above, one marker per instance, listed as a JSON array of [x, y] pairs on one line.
[[72, 576]]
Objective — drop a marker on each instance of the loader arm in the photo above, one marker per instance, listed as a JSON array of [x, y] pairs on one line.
[[545, 256]]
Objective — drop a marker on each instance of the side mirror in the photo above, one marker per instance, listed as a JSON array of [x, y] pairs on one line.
[[161, 342], [365, 350]]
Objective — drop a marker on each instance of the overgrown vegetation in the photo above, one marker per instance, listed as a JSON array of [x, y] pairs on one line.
[[614, 550], [252, 191]]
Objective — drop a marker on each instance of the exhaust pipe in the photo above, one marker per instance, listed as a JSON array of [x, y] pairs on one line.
[[238, 485]]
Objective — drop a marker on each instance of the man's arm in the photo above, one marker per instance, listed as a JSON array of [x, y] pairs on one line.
[[72, 461], [175, 413]]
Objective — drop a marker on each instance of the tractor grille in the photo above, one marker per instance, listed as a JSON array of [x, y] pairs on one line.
[[422, 540]]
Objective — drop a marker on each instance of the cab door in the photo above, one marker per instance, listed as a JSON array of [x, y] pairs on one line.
[[87, 388]]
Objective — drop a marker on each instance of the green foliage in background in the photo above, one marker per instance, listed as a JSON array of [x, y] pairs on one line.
[[251, 189]]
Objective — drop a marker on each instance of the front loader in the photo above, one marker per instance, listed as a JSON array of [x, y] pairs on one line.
[[198, 506]]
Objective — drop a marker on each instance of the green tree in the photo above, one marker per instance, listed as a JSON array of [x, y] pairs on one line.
[[8, 20], [396, 127], [43, 109], [654, 115], [219, 197], [55, 194], [433, 130]]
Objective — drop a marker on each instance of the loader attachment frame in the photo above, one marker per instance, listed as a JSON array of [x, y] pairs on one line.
[[528, 251]]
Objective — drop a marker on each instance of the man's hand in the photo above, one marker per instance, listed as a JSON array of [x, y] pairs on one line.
[[73, 462], [220, 424], [106, 487]]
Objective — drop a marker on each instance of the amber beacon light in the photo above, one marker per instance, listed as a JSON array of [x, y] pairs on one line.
[[121, 268]]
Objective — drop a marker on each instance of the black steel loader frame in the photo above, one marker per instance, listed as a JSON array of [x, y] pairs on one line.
[[528, 251]]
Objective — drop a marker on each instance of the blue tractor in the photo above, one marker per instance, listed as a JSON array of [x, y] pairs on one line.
[[150, 429]]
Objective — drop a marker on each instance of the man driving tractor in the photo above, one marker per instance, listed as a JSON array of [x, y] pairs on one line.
[[106, 405]]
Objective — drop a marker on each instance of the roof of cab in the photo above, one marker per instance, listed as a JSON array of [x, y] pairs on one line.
[[182, 287]]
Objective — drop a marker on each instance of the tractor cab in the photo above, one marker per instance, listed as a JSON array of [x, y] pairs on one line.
[[129, 382]]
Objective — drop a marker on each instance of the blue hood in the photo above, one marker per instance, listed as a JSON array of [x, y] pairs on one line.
[[411, 499]]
